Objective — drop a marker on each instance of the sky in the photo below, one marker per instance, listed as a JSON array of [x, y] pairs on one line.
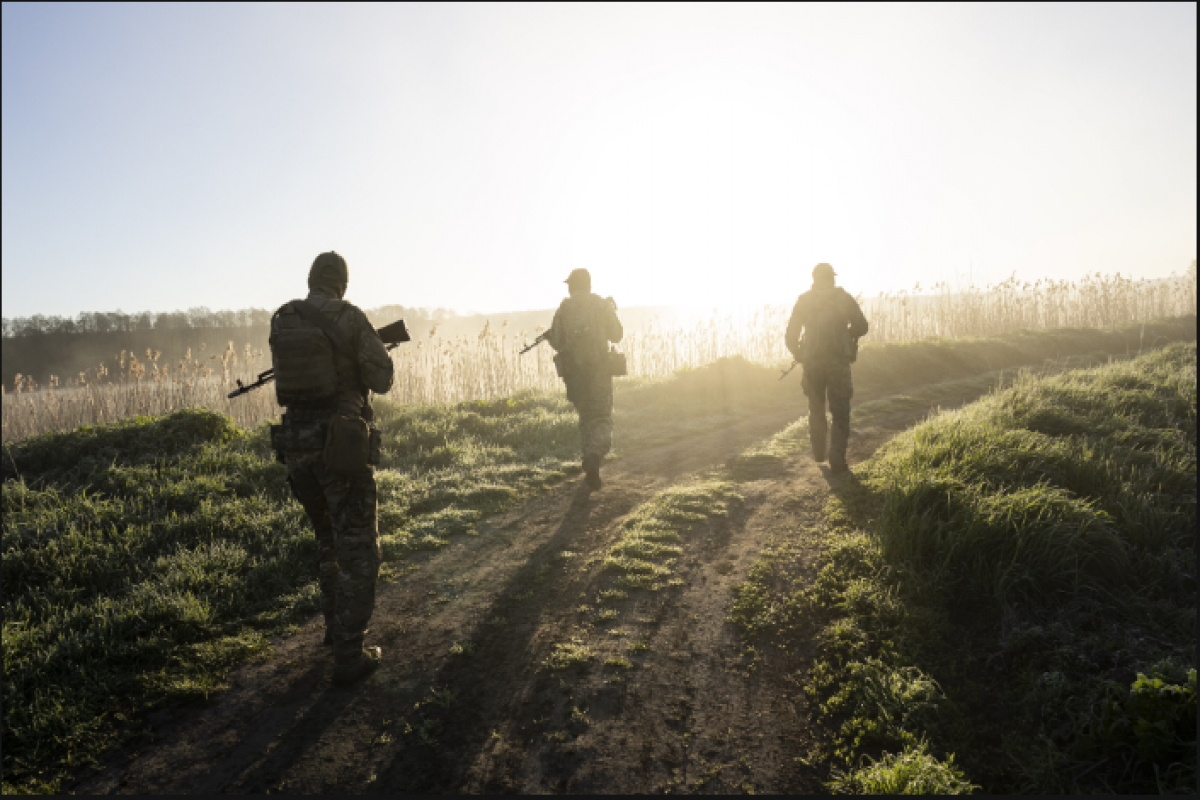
[[162, 157]]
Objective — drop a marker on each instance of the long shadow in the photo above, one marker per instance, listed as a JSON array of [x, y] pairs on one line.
[[283, 736], [860, 501], [445, 740]]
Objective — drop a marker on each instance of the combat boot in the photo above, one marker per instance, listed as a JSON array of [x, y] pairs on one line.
[[356, 666], [591, 467]]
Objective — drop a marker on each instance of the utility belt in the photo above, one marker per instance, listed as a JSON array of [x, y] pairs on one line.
[[349, 443]]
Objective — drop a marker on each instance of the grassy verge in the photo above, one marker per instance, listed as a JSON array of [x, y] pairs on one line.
[[143, 559], [1014, 583]]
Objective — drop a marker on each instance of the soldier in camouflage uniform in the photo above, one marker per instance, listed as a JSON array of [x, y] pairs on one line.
[[831, 322], [342, 507], [583, 326]]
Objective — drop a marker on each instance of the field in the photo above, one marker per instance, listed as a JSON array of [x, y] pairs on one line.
[[486, 365], [715, 619]]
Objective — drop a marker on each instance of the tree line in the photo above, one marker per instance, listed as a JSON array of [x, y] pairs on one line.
[[198, 318]]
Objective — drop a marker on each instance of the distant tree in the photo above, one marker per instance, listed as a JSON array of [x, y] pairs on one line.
[[199, 317]]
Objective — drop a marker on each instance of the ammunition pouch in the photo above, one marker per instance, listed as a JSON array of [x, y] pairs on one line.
[[352, 446], [277, 436]]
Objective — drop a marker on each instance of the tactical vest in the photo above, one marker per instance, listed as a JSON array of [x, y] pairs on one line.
[[302, 355], [827, 334]]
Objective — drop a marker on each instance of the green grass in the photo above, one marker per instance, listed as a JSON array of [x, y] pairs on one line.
[[1048, 532], [911, 771], [644, 555], [142, 560]]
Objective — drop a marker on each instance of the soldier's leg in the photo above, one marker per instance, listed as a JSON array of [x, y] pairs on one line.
[[813, 384], [595, 426], [597, 432], [353, 506], [307, 489], [841, 389]]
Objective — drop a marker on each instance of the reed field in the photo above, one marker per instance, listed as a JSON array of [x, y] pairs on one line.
[[434, 369]]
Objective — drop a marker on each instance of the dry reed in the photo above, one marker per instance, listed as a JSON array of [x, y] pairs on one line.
[[487, 365]]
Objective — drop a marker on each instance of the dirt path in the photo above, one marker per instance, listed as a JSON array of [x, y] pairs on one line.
[[692, 711]]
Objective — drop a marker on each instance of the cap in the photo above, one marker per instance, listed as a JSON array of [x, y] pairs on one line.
[[823, 270], [581, 275]]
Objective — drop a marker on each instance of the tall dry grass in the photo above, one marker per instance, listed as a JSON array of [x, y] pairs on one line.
[[485, 366]]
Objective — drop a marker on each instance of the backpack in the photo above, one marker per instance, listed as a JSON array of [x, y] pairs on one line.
[[302, 356], [585, 335], [827, 337]]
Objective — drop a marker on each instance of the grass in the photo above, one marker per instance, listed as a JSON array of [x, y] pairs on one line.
[[143, 559], [1048, 531], [566, 655], [645, 553]]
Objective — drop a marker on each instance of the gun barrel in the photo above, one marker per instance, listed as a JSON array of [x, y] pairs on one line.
[[534, 343]]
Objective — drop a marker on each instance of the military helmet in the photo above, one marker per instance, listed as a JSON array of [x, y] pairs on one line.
[[823, 271], [329, 272], [581, 278]]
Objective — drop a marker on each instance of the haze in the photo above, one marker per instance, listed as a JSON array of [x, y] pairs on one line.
[[169, 156]]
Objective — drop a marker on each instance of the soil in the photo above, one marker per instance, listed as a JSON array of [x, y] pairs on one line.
[[695, 711]]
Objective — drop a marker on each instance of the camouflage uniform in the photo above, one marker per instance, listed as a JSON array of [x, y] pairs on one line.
[[589, 384], [830, 319], [342, 509]]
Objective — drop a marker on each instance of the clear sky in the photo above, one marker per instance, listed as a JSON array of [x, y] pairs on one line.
[[160, 157]]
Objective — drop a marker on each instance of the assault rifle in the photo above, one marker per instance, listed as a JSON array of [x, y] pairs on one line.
[[534, 343], [392, 335]]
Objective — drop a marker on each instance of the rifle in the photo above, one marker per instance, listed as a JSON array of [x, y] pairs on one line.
[[534, 343], [392, 335], [784, 374]]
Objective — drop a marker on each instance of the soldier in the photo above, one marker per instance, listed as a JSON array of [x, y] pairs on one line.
[[326, 357], [832, 324], [583, 326]]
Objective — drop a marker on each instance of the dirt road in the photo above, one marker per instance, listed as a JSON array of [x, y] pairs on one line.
[[462, 702]]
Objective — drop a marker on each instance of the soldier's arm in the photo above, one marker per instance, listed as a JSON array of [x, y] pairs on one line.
[[791, 339], [858, 322], [615, 330], [554, 335], [375, 366]]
